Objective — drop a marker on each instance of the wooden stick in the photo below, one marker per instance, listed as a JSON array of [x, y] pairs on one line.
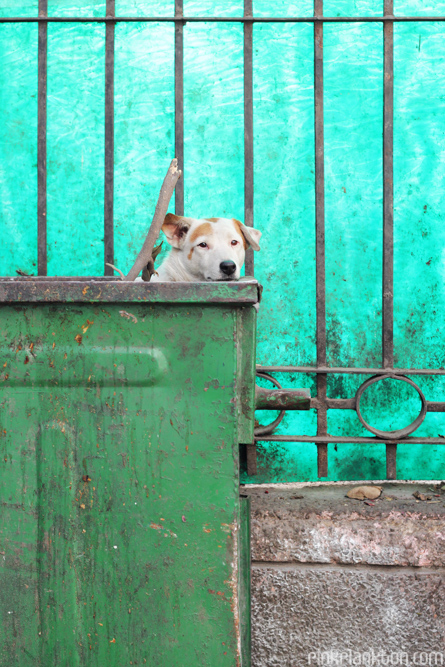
[[165, 195], [116, 269]]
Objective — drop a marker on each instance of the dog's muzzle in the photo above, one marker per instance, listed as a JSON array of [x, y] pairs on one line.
[[228, 267]]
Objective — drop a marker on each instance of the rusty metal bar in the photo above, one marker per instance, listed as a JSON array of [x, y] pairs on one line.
[[391, 461], [319, 188], [335, 403], [388, 216], [282, 399], [410, 440], [248, 130], [109, 142], [322, 459], [251, 456], [268, 429], [356, 371], [388, 194], [222, 19], [322, 422], [349, 404], [435, 406], [179, 105], [42, 252], [322, 427]]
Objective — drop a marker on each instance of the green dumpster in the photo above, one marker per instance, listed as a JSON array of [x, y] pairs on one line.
[[123, 539]]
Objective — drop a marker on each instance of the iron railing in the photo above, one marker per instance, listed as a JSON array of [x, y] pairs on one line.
[[321, 402]]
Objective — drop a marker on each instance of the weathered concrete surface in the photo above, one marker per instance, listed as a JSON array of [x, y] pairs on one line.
[[334, 574], [300, 610], [323, 526]]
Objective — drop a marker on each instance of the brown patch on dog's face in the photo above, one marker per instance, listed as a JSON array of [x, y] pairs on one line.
[[238, 226], [201, 230], [190, 253], [212, 219]]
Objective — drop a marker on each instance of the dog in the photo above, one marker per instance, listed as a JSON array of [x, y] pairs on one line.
[[205, 249]]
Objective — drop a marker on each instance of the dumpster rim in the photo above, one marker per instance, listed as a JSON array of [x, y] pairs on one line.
[[103, 289]]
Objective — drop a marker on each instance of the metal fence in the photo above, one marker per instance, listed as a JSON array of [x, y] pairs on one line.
[[321, 402]]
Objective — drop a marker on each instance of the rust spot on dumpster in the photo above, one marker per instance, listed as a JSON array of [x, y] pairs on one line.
[[128, 316], [86, 326], [124, 458], [78, 339], [220, 593]]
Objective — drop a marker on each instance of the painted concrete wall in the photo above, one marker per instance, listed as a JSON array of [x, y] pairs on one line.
[[284, 184]]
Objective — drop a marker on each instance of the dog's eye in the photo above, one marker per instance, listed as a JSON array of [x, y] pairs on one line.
[[235, 242], [203, 245]]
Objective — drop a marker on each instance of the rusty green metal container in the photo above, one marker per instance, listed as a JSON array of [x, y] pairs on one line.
[[122, 408]]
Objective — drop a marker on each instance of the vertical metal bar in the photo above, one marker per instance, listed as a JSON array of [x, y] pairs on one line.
[[388, 215], [320, 238], [251, 455], [42, 254], [391, 461], [322, 426], [248, 130], [248, 169], [109, 142], [388, 194], [179, 105]]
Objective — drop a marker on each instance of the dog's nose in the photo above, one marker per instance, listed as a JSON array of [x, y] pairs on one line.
[[228, 267]]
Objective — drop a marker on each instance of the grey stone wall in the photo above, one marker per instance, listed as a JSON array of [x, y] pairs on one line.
[[338, 582]]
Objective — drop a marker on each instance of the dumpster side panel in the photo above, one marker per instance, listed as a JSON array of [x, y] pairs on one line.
[[245, 347], [118, 496]]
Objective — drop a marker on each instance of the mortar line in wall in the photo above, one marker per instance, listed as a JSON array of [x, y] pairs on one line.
[[281, 486], [287, 566]]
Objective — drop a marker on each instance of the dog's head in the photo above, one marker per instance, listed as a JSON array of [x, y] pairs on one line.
[[210, 248]]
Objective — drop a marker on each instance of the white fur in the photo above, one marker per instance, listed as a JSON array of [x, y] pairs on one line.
[[188, 261]]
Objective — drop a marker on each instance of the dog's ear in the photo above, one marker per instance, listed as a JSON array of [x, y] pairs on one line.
[[175, 227], [251, 235]]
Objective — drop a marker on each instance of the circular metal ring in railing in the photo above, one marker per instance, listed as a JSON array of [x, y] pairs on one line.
[[400, 433], [269, 428]]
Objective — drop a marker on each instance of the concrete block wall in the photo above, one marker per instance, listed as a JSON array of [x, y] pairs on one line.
[[337, 581]]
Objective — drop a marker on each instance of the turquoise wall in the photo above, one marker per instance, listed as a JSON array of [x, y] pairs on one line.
[[284, 185]]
